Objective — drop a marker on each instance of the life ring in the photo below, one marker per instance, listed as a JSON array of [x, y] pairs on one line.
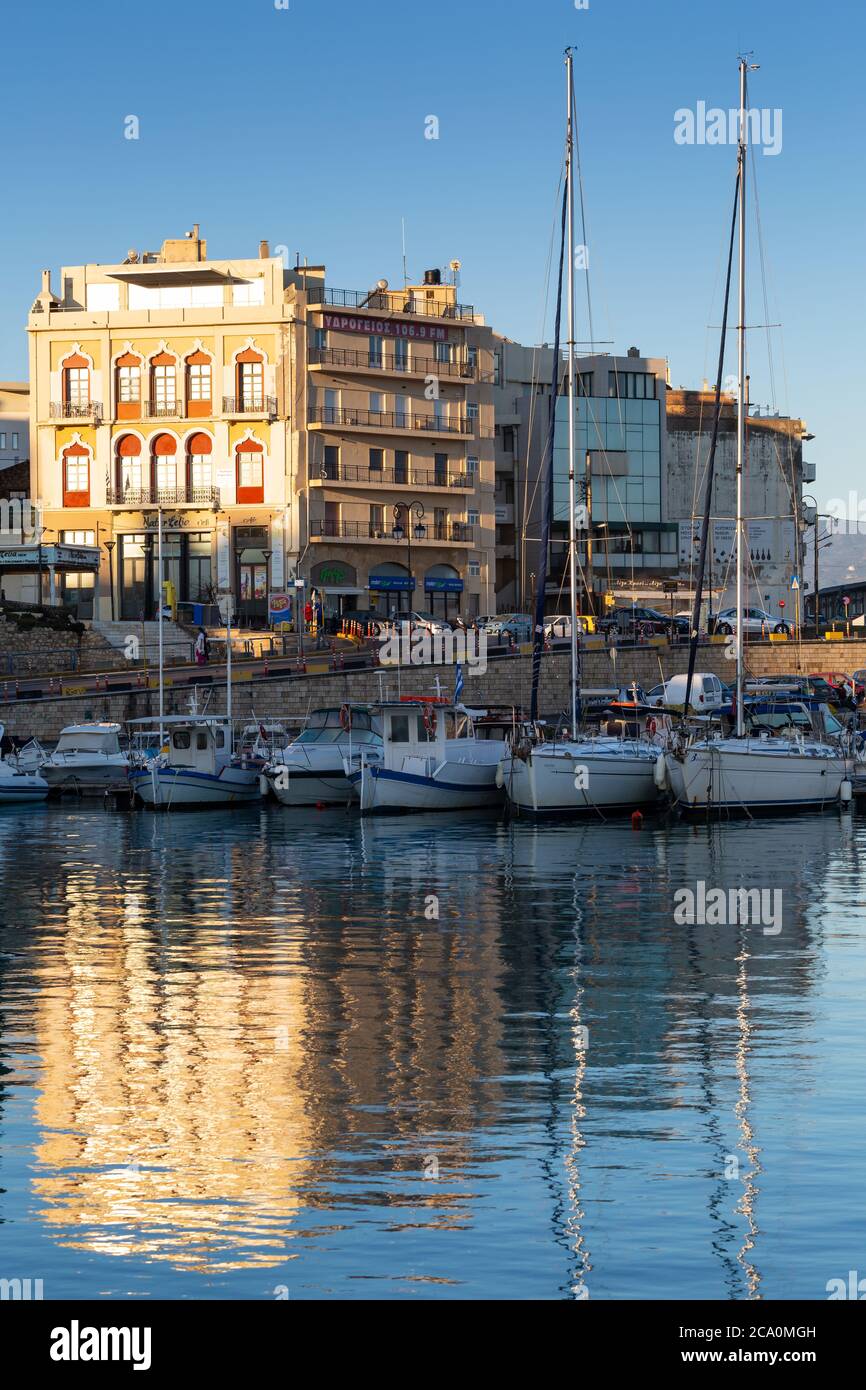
[[430, 719], [346, 717], [651, 727]]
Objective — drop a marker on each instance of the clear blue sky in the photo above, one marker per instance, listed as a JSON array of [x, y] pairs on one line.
[[306, 126]]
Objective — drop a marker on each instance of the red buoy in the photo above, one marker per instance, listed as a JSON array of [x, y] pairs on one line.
[[637, 820]]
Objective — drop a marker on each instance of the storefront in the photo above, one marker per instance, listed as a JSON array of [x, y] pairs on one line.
[[186, 557], [337, 584], [252, 574], [443, 588], [392, 588], [64, 573]]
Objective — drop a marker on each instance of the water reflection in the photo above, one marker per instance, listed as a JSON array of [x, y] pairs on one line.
[[453, 1052]]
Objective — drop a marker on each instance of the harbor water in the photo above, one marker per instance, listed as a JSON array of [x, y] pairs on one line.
[[263, 1054]]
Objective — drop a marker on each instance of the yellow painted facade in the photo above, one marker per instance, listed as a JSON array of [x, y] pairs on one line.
[[275, 423]]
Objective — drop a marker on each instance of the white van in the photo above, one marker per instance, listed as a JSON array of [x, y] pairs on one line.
[[707, 692]]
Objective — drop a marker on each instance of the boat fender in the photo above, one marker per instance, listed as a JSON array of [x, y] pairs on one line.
[[500, 776], [637, 820], [660, 772], [846, 791]]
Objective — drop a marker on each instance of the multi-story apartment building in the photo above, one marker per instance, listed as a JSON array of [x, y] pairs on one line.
[[285, 431]]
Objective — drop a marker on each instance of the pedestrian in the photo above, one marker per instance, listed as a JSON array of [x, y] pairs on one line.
[[201, 648], [308, 615]]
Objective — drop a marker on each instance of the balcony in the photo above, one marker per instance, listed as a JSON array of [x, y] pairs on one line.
[[253, 405], [388, 364], [163, 410], [387, 422], [392, 302], [76, 410], [359, 475], [453, 533], [133, 498]]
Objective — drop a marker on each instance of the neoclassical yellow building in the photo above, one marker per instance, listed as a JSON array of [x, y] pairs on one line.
[[284, 430]]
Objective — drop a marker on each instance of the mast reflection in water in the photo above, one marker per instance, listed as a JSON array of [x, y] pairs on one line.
[[441, 1056]]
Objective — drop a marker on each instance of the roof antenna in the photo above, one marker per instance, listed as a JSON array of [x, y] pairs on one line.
[[405, 276]]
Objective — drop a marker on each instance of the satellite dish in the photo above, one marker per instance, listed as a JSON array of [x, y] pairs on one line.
[[132, 255], [381, 284]]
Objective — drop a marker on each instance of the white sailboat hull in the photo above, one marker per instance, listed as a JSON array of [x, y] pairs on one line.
[[617, 777], [311, 776], [755, 774]]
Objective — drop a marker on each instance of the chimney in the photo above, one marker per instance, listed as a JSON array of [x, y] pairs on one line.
[[46, 282], [264, 250]]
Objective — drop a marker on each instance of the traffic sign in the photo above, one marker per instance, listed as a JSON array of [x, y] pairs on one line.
[[846, 600], [795, 581]]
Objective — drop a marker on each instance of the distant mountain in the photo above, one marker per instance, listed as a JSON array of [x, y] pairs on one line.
[[842, 558]]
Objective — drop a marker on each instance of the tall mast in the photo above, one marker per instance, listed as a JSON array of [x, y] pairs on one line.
[[741, 393], [572, 499]]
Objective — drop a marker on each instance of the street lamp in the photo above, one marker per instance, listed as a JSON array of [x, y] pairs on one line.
[[819, 540], [398, 531], [109, 546], [267, 554]]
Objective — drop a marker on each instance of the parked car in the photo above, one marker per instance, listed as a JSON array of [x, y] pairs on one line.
[[634, 621], [427, 622], [707, 692], [559, 626], [853, 689], [755, 620], [507, 627]]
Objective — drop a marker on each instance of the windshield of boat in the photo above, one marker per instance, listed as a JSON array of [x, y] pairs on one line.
[[325, 726], [91, 742]]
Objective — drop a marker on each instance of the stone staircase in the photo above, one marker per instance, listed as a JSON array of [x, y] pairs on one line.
[[139, 642]]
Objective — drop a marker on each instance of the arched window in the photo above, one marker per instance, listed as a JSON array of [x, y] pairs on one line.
[[163, 385], [250, 367], [127, 370], [76, 476], [164, 467], [200, 464], [76, 385], [199, 384], [250, 471], [130, 481]]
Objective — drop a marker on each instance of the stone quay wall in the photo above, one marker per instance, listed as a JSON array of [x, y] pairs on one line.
[[505, 682]]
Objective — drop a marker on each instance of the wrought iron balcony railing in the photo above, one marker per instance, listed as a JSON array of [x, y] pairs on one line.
[[394, 477], [393, 302], [348, 417], [75, 410], [162, 496], [386, 362], [163, 410], [365, 531], [249, 405]]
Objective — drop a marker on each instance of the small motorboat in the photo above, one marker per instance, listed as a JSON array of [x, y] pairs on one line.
[[87, 760], [198, 767], [430, 759], [312, 770], [19, 785]]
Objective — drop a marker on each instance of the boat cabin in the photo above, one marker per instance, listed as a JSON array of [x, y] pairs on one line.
[[200, 745], [90, 738], [340, 722]]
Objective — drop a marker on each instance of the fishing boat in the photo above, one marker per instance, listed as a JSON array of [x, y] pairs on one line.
[[312, 770], [430, 759], [87, 760], [197, 767], [743, 773], [578, 773], [19, 785]]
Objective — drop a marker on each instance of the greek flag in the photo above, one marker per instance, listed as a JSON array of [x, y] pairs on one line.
[[458, 684]]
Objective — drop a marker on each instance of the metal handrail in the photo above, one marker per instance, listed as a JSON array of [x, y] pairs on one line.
[[388, 420], [392, 302], [388, 362]]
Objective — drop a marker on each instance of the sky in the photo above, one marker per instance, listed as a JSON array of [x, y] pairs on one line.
[[307, 125]]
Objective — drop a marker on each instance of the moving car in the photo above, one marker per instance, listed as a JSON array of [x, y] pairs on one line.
[[507, 627]]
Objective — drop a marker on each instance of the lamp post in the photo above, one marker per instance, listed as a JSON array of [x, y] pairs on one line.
[[267, 554], [109, 546], [819, 540], [398, 531]]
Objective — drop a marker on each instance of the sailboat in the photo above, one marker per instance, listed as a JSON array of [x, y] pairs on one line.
[[744, 773], [576, 774]]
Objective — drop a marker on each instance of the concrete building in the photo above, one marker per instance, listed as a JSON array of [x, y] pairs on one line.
[[641, 455], [277, 424], [14, 423]]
